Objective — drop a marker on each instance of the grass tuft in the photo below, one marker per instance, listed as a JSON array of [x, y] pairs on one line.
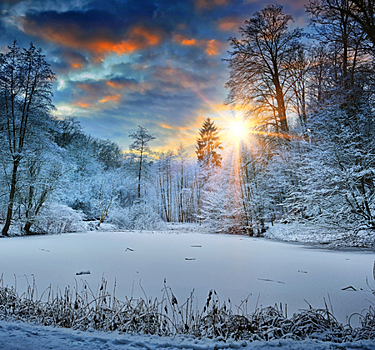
[[83, 310]]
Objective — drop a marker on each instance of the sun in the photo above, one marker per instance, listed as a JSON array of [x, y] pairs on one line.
[[237, 130]]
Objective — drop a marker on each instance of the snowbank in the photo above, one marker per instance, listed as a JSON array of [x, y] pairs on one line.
[[313, 234], [23, 336]]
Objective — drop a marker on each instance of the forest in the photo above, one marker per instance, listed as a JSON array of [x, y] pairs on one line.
[[307, 96]]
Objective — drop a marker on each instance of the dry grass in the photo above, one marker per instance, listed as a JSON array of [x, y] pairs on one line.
[[83, 310]]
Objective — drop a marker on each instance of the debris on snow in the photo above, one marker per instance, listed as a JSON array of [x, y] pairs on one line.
[[87, 272], [269, 280], [349, 288]]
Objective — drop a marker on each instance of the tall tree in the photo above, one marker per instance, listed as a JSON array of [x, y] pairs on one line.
[[259, 75], [25, 92], [140, 146], [182, 156], [166, 184], [362, 11], [343, 40], [208, 144]]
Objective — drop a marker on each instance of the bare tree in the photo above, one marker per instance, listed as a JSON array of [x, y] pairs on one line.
[[25, 92], [343, 38], [362, 11], [260, 78]]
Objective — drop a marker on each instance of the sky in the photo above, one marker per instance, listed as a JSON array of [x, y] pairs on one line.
[[124, 63]]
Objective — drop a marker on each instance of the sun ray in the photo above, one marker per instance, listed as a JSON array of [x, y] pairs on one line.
[[237, 130]]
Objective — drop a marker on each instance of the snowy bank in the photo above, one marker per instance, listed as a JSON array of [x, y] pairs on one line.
[[23, 336], [332, 238]]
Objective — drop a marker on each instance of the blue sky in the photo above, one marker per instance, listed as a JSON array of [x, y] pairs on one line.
[[120, 64]]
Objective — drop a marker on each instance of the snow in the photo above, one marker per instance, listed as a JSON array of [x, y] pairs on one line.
[[23, 336], [310, 233], [237, 267]]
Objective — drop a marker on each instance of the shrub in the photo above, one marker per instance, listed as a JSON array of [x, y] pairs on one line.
[[139, 216]]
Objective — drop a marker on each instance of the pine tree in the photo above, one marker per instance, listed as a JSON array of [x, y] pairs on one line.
[[140, 145], [208, 144]]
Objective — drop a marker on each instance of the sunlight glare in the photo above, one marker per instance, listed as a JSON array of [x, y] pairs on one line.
[[237, 130]]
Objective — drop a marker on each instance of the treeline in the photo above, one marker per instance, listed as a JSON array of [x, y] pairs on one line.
[[310, 100], [307, 96], [56, 178]]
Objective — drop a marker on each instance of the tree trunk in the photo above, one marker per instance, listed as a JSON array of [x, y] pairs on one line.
[[281, 110], [12, 195], [140, 174]]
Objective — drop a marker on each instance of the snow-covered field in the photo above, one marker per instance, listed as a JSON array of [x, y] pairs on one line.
[[237, 267]]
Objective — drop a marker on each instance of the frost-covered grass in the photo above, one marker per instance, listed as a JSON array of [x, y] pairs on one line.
[[85, 311], [237, 267]]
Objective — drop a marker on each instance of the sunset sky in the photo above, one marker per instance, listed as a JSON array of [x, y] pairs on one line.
[[120, 64]]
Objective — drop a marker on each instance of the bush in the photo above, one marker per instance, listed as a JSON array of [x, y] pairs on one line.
[[139, 216], [58, 218]]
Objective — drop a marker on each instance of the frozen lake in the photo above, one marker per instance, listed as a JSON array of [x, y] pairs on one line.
[[235, 266]]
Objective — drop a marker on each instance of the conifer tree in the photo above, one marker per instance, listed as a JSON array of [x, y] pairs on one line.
[[140, 145], [208, 144]]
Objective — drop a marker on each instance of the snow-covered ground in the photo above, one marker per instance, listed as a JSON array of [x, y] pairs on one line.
[[237, 267], [23, 336], [332, 238]]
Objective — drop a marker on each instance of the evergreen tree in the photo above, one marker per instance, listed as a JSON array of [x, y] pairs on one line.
[[140, 146], [208, 144]]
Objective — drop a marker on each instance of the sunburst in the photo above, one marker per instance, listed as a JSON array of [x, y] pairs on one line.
[[237, 130]]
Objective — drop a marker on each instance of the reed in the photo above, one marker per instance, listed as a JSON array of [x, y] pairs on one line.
[[80, 308]]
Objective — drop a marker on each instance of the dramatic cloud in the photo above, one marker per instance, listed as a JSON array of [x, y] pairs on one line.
[[124, 63], [211, 47], [100, 33]]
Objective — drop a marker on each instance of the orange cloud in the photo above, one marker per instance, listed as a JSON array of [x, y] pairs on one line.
[[198, 122], [211, 47], [110, 98], [140, 34], [166, 126], [229, 24], [115, 85], [83, 104], [184, 128], [100, 44], [181, 40], [76, 65]]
